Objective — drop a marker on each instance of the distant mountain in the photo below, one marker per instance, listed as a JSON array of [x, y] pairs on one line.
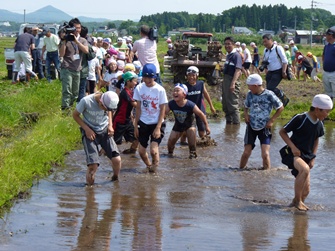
[[47, 14]]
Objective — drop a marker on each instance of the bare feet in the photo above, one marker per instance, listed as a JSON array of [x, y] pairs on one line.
[[299, 205]]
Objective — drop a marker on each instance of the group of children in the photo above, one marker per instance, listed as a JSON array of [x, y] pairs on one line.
[[137, 114]]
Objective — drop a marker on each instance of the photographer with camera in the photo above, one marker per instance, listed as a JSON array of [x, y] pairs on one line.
[[146, 49], [275, 61], [72, 49]]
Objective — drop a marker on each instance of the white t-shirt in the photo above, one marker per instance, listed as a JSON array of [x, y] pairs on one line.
[[92, 65], [146, 52], [151, 98], [247, 56], [111, 78]]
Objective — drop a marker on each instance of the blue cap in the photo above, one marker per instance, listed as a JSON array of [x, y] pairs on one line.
[[149, 70]]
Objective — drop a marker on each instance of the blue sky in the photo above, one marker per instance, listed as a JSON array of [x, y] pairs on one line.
[[134, 9]]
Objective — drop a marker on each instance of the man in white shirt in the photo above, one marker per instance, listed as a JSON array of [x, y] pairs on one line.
[[146, 50], [275, 61], [51, 42]]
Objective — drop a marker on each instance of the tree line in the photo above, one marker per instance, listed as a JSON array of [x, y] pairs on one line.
[[255, 18]]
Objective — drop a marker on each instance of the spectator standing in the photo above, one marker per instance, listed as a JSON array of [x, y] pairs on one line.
[[51, 43], [247, 60], [37, 52], [328, 59], [255, 58], [231, 85], [294, 50], [72, 53], [24, 45], [146, 50], [276, 60], [258, 106], [149, 118]]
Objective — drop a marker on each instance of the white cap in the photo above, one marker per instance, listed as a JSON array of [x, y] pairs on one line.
[[170, 46], [322, 101], [254, 79], [119, 39], [300, 56], [109, 100], [238, 43], [192, 69], [137, 64], [252, 44], [182, 87], [99, 38], [286, 46], [291, 42]]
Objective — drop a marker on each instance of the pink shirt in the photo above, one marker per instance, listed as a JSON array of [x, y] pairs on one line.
[[146, 52]]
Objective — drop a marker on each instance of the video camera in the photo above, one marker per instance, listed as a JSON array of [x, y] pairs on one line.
[[68, 30], [153, 34]]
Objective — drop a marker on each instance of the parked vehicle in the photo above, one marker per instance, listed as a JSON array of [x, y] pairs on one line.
[[191, 49], [9, 52]]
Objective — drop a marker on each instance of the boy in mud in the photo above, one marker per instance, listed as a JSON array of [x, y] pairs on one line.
[[184, 111], [257, 109], [300, 152], [196, 93], [96, 128], [149, 118], [122, 120]]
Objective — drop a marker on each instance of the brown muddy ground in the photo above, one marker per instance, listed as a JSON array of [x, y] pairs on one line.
[[201, 204]]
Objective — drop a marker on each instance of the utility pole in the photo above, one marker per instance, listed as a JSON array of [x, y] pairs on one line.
[[312, 19], [24, 16]]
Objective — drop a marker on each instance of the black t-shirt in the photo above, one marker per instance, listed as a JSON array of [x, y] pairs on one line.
[[304, 132]]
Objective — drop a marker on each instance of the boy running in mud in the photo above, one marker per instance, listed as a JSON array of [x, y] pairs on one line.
[[96, 128], [257, 109], [197, 92], [300, 152], [149, 119], [184, 111]]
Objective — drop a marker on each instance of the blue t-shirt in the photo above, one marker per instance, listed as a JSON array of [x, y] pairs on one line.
[[329, 57], [184, 115], [260, 107]]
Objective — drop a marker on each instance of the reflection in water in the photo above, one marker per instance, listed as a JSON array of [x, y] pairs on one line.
[[299, 239]]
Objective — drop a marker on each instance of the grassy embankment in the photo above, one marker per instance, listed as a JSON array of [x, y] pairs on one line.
[[29, 149]]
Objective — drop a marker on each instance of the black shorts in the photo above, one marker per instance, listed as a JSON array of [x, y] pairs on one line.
[[124, 130], [145, 133], [246, 65], [264, 135], [287, 158]]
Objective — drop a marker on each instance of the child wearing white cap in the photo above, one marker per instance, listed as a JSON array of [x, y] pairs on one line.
[[96, 128], [257, 110], [300, 152], [183, 111]]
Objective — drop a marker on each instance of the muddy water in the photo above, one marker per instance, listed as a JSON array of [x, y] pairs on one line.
[[202, 204]]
